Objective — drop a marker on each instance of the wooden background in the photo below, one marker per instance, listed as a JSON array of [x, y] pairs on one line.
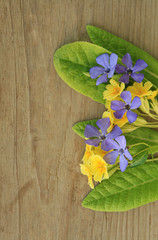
[[41, 187]]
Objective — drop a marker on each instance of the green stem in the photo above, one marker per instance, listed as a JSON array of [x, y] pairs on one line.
[[149, 114], [141, 152], [152, 160], [143, 114], [153, 116], [138, 144], [113, 169], [150, 126], [148, 160]]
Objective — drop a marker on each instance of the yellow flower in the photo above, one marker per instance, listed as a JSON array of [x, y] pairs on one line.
[[88, 153], [86, 171], [153, 95], [98, 168], [113, 90], [91, 150], [108, 104], [90, 165], [139, 90]]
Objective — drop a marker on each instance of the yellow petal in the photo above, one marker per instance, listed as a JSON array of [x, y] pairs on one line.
[[147, 85], [106, 175], [108, 104], [108, 95], [122, 86], [139, 90], [88, 153], [97, 167], [113, 90], [90, 181], [99, 151], [85, 171], [153, 95], [109, 87], [98, 176], [114, 83]]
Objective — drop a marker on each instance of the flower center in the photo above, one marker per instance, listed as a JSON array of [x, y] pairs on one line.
[[107, 70], [120, 151], [116, 90], [129, 71], [127, 107], [102, 137]]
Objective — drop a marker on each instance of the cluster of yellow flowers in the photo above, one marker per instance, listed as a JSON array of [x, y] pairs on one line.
[[144, 92], [94, 166]]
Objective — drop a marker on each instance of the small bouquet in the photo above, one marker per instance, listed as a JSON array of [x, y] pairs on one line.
[[121, 145]]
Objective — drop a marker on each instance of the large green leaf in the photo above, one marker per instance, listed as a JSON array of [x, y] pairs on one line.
[[143, 135], [141, 148], [73, 61], [121, 47], [124, 191]]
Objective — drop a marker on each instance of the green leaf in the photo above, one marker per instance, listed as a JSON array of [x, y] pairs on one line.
[[121, 47], [79, 127], [142, 139], [124, 191], [73, 61], [143, 135], [139, 159], [142, 148]]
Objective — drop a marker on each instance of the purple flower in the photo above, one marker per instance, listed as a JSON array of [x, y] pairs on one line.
[[121, 107], [120, 149], [129, 70], [107, 70], [101, 136]]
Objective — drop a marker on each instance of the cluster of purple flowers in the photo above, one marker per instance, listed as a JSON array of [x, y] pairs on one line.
[[109, 66], [113, 140], [109, 141]]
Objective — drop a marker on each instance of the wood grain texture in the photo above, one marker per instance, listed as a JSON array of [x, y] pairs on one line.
[[41, 187]]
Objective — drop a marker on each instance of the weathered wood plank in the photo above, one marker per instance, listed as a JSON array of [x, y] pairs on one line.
[[41, 187]]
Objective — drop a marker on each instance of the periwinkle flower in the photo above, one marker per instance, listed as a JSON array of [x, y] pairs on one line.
[[120, 107], [119, 149], [129, 70], [107, 70], [101, 136]]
